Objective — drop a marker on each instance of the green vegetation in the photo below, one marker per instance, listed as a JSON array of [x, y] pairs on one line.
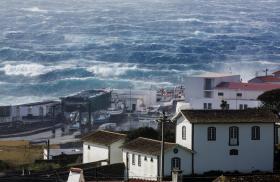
[[42, 166], [271, 100], [223, 105], [4, 166], [151, 133]]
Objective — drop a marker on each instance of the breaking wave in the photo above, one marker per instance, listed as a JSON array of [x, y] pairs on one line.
[[35, 9]]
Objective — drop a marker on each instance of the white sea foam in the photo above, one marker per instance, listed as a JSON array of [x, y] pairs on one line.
[[11, 100], [35, 9], [189, 19], [110, 70], [30, 69]]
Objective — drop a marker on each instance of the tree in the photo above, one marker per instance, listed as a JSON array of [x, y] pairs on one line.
[[271, 100], [151, 133], [223, 105], [145, 132]]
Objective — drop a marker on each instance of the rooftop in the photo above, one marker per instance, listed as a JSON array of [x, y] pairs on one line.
[[276, 72], [213, 75], [148, 146], [86, 94], [103, 137], [230, 116], [41, 103], [247, 86], [269, 78]]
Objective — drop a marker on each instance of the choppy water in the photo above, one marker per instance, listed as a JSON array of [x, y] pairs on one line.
[[49, 48]]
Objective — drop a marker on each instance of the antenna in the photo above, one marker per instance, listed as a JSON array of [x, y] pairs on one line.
[[266, 70]]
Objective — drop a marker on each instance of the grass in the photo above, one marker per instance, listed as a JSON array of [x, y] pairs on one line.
[[17, 153]]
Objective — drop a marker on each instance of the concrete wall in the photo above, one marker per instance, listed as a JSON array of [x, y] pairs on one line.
[[95, 153], [252, 154], [185, 157], [195, 85], [116, 152], [148, 169], [216, 102], [35, 110], [180, 123]]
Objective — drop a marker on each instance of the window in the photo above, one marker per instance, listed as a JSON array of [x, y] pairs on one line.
[[145, 158], [208, 94], [41, 111], [243, 106], [127, 157], [227, 107], [208, 84], [211, 133], [239, 94], [233, 136], [29, 110], [240, 106], [176, 163], [17, 111], [220, 94], [133, 159], [205, 105], [184, 132], [255, 133], [233, 152], [88, 147], [139, 160]]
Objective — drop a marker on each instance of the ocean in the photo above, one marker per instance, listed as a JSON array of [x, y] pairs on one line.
[[52, 48]]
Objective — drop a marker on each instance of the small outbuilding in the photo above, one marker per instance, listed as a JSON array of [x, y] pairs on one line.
[[103, 145]]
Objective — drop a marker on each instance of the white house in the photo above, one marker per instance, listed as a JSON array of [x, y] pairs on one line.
[[240, 95], [103, 146], [142, 158], [230, 140], [207, 91]]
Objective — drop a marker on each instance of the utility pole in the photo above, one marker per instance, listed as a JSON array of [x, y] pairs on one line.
[[162, 120], [48, 149]]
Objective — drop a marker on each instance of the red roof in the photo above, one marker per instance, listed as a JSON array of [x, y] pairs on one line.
[[276, 72], [268, 78], [248, 86]]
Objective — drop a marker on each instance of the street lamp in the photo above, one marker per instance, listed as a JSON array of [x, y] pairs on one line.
[[163, 119]]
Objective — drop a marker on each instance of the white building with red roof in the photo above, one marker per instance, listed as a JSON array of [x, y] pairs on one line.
[[207, 91], [274, 78]]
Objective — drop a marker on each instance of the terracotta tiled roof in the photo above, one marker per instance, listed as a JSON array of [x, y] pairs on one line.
[[103, 137], [247, 86], [148, 146], [230, 116], [276, 72], [269, 78]]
